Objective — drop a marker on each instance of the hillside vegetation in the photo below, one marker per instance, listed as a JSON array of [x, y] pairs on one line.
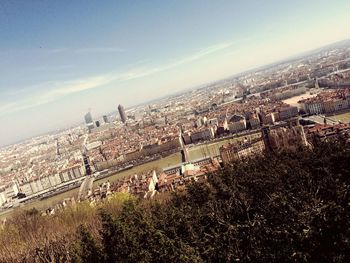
[[287, 207]]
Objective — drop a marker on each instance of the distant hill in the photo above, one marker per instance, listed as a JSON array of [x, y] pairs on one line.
[[336, 45]]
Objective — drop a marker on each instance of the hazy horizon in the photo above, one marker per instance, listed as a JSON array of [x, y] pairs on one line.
[[61, 59]]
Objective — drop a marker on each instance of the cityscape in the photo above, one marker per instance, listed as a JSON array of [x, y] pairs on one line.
[[182, 131], [212, 124]]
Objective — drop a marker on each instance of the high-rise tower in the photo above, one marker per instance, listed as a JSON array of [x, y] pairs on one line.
[[105, 119], [122, 113], [88, 118], [89, 121]]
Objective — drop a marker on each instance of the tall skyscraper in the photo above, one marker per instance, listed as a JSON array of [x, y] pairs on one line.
[[89, 121], [105, 119], [88, 118], [122, 113]]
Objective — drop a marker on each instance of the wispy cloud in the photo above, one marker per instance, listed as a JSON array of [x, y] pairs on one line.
[[52, 68], [195, 56], [75, 86], [84, 50], [99, 50], [57, 50], [203, 53], [59, 89]]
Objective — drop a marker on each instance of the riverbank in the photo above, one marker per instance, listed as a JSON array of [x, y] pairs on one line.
[[343, 117]]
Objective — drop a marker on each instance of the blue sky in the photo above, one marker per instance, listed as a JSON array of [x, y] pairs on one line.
[[60, 58]]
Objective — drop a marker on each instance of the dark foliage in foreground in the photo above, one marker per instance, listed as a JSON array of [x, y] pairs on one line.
[[277, 208], [289, 207]]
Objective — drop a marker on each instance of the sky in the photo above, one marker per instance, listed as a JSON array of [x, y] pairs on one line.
[[60, 59]]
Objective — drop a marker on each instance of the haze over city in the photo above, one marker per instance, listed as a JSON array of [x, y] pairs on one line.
[[174, 131], [58, 59]]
